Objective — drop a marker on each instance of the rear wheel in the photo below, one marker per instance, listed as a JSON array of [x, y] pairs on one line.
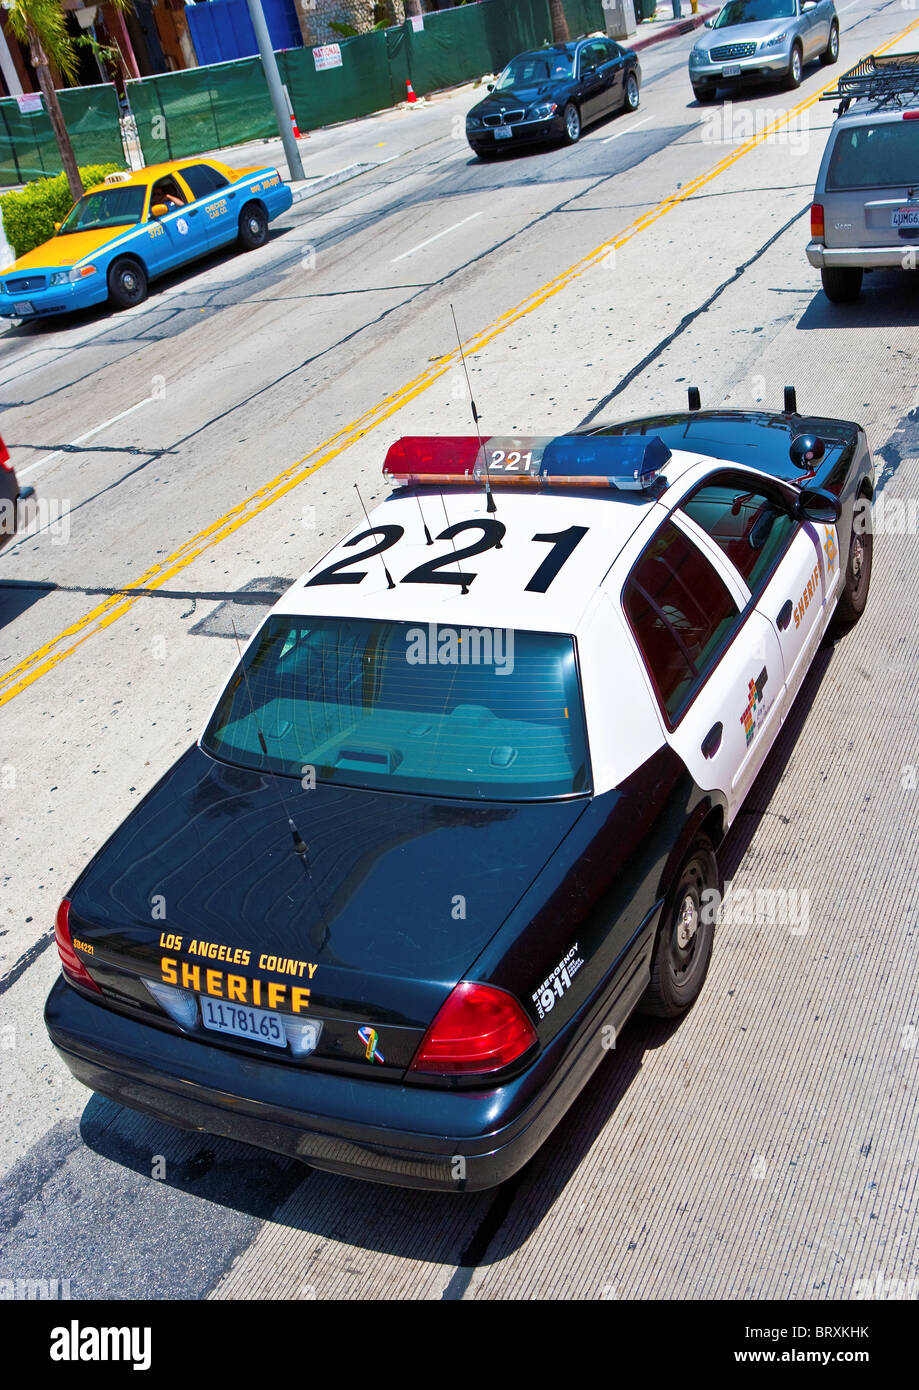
[[253, 227], [572, 124], [795, 68], [684, 941], [831, 52], [857, 580], [632, 98], [841, 284], [127, 284]]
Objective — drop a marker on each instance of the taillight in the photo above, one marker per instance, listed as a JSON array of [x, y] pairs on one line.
[[817, 221], [911, 115], [479, 1029], [73, 967], [5, 457]]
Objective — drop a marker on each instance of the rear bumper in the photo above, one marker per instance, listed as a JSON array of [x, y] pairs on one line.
[[409, 1136], [866, 257]]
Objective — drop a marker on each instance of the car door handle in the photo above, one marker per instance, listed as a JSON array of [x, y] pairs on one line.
[[193, 212], [712, 741], [785, 613]]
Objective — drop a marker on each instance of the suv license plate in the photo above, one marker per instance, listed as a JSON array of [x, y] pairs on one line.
[[731, 70], [22, 306], [258, 1024], [502, 133], [905, 217]]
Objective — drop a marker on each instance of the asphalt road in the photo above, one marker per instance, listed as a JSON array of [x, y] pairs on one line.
[[200, 452]]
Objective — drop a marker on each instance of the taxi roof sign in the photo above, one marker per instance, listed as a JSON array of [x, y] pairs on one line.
[[623, 462]]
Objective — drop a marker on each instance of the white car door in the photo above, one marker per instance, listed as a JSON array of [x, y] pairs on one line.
[[715, 667]]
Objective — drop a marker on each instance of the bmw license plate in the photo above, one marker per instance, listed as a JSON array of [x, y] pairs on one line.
[[503, 132], [258, 1024], [905, 217], [731, 70], [22, 306]]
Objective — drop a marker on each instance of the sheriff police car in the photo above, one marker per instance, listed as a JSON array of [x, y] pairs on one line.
[[458, 806]]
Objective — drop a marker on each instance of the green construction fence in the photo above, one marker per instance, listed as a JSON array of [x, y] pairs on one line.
[[186, 113], [29, 150]]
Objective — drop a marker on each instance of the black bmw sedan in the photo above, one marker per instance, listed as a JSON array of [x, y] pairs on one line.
[[552, 93]]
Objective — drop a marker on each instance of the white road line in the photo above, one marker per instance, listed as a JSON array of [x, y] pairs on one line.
[[437, 237], [850, 6], [620, 133], [81, 439]]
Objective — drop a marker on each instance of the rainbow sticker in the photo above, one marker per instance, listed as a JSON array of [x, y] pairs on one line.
[[368, 1037]]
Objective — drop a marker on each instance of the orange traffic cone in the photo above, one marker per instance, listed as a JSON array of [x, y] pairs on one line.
[[410, 96], [293, 121]]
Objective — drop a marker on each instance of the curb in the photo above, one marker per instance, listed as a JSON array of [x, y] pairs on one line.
[[681, 26], [310, 187]]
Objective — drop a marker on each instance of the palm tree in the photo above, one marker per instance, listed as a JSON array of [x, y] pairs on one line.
[[560, 32], [42, 25]]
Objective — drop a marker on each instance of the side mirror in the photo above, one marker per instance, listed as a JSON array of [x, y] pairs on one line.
[[816, 504], [57, 226], [490, 87], [159, 210], [708, 24]]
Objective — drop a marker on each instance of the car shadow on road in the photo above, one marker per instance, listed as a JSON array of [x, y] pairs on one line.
[[889, 299]]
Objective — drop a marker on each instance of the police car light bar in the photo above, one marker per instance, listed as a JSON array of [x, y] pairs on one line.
[[625, 462]]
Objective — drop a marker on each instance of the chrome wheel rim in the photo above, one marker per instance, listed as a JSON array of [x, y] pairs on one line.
[[573, 122], [687, 922], [632, 93], [796, 65], [255, 226], [128, 281], [834, 42]]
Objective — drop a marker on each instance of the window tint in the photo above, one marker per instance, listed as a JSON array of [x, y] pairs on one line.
[[202, 180], [592, 55], [752, 528], [875, 156], [681, 613], [468, 712]]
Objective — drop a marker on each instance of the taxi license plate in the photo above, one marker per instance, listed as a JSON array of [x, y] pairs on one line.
[[731, 70], [22, 306], [905, 217], [503, 133], [260, 1025]]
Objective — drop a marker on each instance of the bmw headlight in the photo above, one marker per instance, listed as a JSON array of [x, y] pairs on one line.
[[774, 43], [543, 110], [69, 277], [473, 122]]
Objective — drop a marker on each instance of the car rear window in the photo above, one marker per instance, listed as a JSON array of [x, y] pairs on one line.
[[875, 156], [467, 712]]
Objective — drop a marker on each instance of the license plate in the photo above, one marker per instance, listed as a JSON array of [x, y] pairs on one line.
[[731, 70], [22, 306], [502, 133], [260, 1025], [905, 217]]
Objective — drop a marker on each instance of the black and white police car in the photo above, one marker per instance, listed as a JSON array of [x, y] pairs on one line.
[[457, 807]]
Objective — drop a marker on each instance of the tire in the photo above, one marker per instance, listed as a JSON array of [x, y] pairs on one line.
[[632, 95], [572, 124], [795, 68], [253, 227], [678, 966], [841, 284], [127, 283], [831, 52], [857, 580], [703, 94]]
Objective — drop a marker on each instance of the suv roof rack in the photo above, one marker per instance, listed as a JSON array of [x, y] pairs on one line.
[[886, 79]]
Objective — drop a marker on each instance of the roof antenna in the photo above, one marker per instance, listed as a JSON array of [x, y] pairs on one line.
[[465, 586], [300, 847], [427, 534], [490, 502], [389, 578]]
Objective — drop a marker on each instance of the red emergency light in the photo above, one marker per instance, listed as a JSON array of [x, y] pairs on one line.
[[625, 462]]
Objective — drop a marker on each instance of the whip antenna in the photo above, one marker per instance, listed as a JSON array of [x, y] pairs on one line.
[[389, 578], [490, 503]]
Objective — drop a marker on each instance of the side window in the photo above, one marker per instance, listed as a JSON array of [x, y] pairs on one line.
[[592, 55], [753, 528], [203, 180], [167, 191], [682, 616]]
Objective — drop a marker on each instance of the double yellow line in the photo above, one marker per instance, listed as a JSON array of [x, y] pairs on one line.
[[46, 657]]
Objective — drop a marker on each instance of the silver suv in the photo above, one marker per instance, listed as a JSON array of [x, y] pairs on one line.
[[865, 213], [763, 40]]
